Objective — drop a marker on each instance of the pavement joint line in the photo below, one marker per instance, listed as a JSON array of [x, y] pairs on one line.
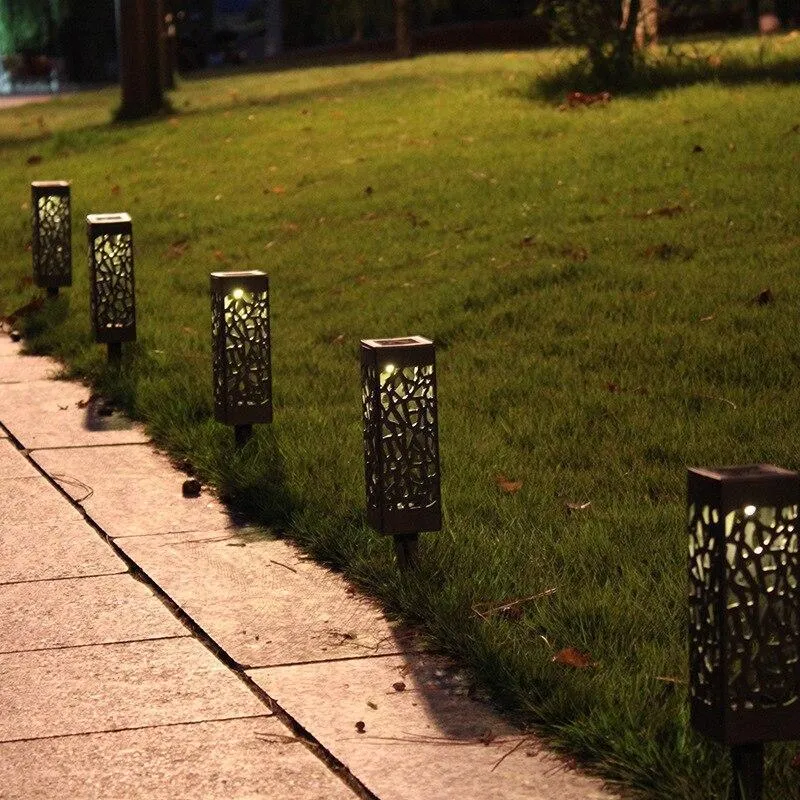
[[336, 766], [312, 662], [132, 728], [93, 644], [63, 578], [93, 446]]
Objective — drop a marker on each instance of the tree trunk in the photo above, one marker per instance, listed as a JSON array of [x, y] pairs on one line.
[[141, 59], [646, 21], [273, 20], [402, 28], [647, 29]]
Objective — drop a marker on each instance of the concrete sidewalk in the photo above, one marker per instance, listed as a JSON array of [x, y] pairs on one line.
[[153, 646]]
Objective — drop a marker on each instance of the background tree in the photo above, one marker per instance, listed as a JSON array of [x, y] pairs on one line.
[[141, 55], [607, 29], [403, 45]]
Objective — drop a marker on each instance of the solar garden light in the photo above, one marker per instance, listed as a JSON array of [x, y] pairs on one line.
[[242, 361], [401, 441], [51, 243], [744, 620], [112, 299]]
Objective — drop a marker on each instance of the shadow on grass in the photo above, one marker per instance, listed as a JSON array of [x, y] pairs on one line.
[[677, 68], [78, 137]]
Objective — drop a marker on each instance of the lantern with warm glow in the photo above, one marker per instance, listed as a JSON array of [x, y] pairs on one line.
[[51, 242], [112, 300], [744, 633], [401, 440], [242, 364]]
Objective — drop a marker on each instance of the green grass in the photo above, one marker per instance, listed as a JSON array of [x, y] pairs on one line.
[[587, 347]]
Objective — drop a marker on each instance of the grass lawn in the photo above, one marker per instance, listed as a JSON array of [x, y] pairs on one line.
[[589, 278]]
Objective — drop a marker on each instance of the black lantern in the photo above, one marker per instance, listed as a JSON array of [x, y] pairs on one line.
[[744, 629], [242, 364], [401, 440], [112, 301], [51, 243]]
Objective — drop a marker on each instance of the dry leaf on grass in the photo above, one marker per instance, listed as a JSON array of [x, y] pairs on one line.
[[666, 211], [572, 657], [764, 297], [573, 507], [506, 485]]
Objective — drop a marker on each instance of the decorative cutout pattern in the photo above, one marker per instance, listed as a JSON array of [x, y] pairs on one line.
[[763, 607], [51, 241], [242, 361], [704, 646], [404, 473], [113, 304]]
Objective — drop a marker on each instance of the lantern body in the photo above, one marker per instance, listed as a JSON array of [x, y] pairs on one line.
[[401, 439], [744, 620], [242, 361], [112, 299], [51, 242]]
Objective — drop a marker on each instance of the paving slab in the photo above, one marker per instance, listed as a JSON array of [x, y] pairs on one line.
[[135, 491], [428, 741], [9, 348], [117, 686], [32, 501], [24, 369], [262, 601], [230, 760], [13, 463], [81, 611], [48, 413], [50, 548]]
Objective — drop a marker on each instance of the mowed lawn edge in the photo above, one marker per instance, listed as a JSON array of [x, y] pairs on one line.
[[591, 279]]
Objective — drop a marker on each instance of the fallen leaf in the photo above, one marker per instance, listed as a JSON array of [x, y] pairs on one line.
[[666, 252], [764, 297], [278, 190], [506, 485], [707, 319], [613, 388], [579, 99], [115, 189], [666, 211], [177, 249], [572, 507], [220, 256], [572, 657], [34, 159], [577, 254]]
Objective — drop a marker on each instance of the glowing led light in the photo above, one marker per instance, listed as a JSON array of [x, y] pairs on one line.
[[749, 511], [238, 294]]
